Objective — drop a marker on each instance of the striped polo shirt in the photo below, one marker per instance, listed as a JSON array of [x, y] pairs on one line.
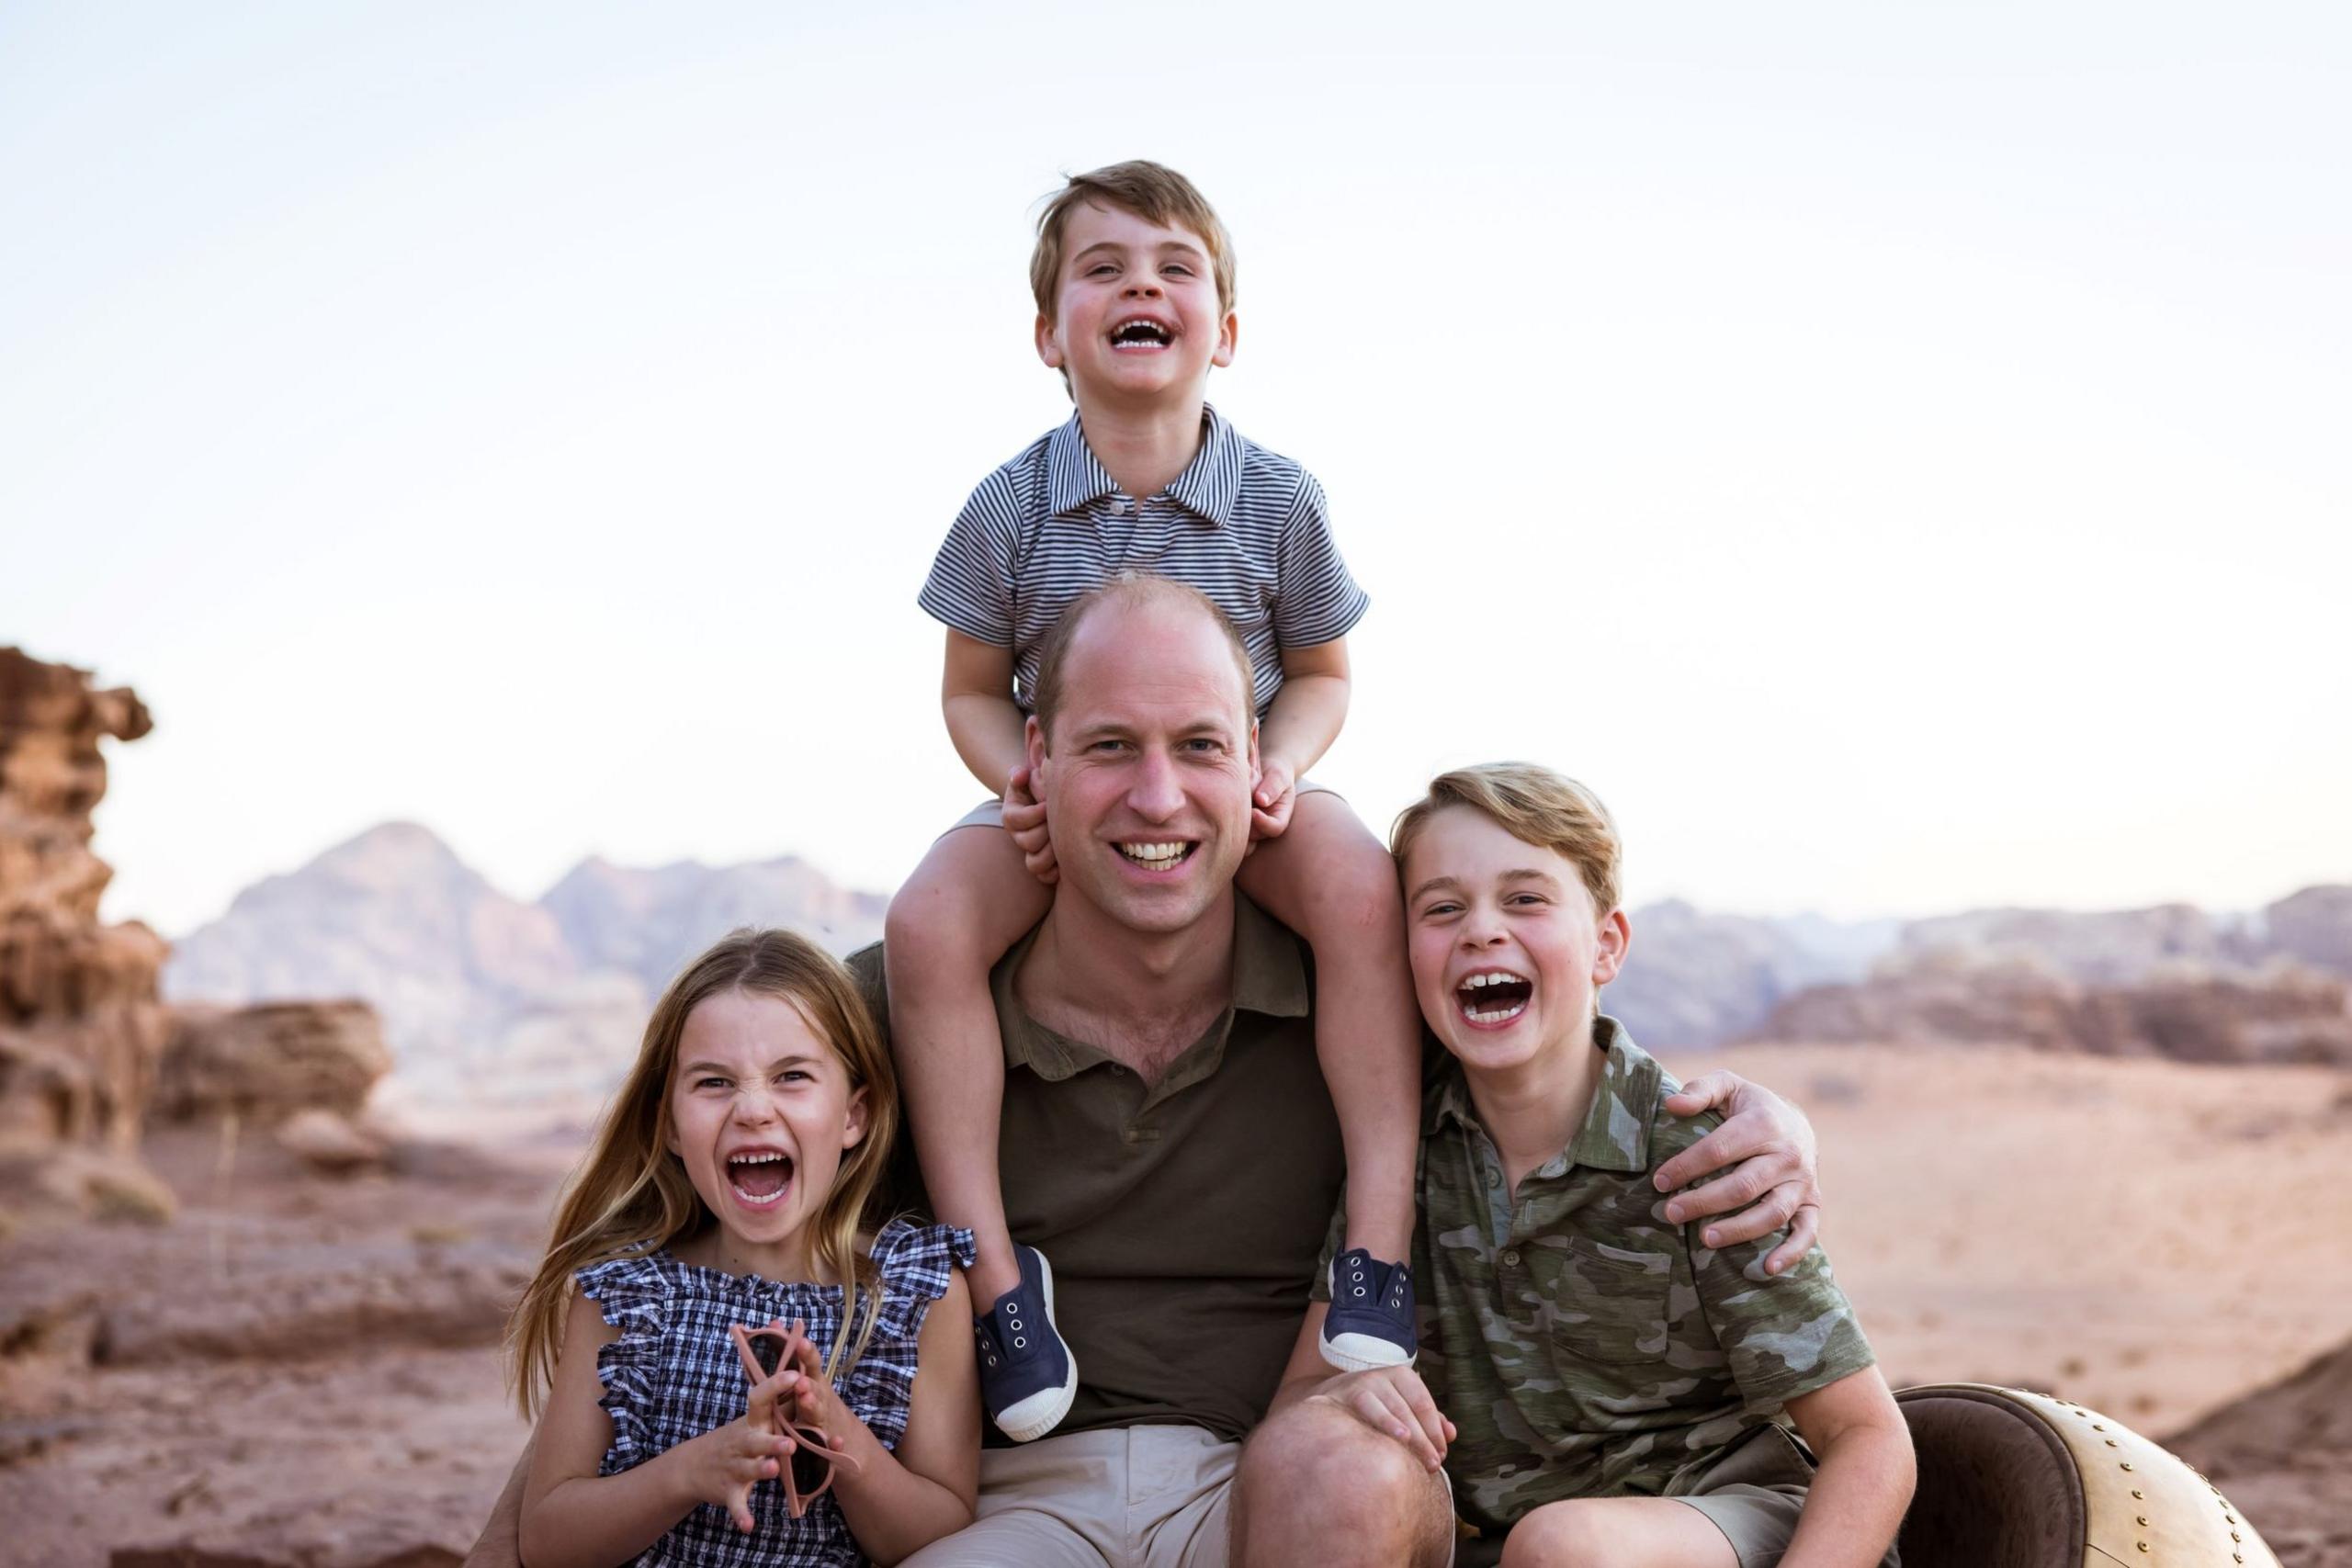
[[1244, 525]]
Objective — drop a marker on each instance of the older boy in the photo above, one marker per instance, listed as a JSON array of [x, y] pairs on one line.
[[1132, 276], [1623, 1391]]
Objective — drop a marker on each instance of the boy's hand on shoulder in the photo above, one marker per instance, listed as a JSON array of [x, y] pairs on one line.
[[1271, 798], [1025, 819], [1774, 1179], [1394, 1402]]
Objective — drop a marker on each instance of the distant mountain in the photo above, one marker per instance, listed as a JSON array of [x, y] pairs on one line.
[[486, 999], [1695, 978], [2171, 981], [648, 922]]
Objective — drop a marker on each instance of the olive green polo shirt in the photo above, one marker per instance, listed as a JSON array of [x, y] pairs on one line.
[[1182, 1218], [1583, 1346]]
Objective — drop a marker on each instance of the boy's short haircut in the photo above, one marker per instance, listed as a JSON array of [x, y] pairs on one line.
[[1533, 804], [1152, 192], [1130, 588]]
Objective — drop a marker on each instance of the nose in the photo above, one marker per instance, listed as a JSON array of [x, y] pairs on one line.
[[1155, 794], [754, 1107], [1481, 928], [1142, 286]]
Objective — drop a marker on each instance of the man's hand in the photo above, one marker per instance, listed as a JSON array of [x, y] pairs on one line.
[[1394, 1402], [1271, 799], [1025, 819], [1768, 1144]]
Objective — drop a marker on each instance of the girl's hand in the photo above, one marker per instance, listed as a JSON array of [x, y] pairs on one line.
[[1025, 819], [814, 1402], [725, 1463]]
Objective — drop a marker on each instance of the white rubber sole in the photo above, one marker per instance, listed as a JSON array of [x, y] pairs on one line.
[[1027, 1420], [1361, 1353]]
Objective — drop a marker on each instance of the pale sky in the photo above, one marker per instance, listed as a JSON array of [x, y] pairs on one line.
[[1897, 455]]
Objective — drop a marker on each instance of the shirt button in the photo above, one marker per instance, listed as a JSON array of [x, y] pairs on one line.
[[1494, 1178], [1510, 1257], [1119, 505]]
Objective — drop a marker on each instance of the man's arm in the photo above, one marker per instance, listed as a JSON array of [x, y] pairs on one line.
[[1768, 1145]]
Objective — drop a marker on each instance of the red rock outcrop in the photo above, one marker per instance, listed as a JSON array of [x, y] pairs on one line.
[[268, 1062], [81, 1026]]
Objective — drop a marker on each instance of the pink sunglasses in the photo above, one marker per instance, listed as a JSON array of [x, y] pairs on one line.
[[807, 1471]]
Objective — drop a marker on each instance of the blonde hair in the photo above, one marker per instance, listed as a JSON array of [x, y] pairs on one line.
[[632, 1192], [1152, 192], [1533, 804]]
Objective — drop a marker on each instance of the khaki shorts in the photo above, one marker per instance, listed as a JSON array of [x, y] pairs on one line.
[[990, 813], [1135, 1497], [1751, 1497]]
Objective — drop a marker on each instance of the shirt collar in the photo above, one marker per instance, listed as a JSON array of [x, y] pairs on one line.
[[1269, 977], [1615, 1135], [1075, 478]]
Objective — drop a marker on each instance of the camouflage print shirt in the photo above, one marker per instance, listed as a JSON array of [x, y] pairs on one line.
[[1583, 1346]]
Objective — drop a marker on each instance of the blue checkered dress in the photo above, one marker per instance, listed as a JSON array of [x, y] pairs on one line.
[[673, 1374]]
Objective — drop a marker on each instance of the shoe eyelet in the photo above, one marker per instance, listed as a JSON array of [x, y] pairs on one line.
[[1017, 1324], [1019, 1343]]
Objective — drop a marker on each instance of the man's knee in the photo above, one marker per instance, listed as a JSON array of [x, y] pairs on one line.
[[1321, 1457]]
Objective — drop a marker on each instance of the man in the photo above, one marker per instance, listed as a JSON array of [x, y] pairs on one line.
[[1168, 1139]]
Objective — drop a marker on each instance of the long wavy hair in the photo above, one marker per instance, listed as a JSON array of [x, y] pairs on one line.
[[632, 1192]]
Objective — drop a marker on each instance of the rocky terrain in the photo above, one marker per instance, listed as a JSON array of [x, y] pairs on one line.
[[301, 1371]]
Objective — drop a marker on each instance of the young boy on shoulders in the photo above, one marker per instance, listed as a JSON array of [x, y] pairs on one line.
[[1132, 276], [1622, 1394]]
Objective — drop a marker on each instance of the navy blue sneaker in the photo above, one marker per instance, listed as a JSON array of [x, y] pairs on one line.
[[1371, 1320], [1027, 1375]]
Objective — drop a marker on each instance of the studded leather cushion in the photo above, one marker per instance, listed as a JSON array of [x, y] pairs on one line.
[[1998, 1488]]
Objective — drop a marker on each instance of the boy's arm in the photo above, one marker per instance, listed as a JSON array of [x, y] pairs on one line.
[[1857, 1499], [976, 693], [1300, 727]]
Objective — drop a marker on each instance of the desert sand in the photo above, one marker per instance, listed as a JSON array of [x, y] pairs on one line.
[[302, 1369]]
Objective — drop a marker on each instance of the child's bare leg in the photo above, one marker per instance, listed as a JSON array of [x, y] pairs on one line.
[[1330, 881], [1618, 1532], [966, 905]]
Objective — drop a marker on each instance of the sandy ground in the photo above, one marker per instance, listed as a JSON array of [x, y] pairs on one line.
[[302, 1371]]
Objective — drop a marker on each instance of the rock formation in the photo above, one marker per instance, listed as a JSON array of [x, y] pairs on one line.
[[81, 1024], [2285, 1455], [267, 1063]]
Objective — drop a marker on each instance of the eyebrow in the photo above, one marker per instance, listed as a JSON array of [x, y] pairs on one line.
[[1522, 874], [1187, 246], [725, 1070]]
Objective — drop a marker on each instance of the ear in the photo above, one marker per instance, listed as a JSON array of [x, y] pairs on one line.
[[1615, 937], [1032, 740], [1049, 348], [853, 1125], [1253, 754], [1228, 333]]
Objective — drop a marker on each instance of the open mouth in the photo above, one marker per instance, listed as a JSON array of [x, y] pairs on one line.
[[1493, 995], [759, 1176], [1163, 856], [1142, 331]]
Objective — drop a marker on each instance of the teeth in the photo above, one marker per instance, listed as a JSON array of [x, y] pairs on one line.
[[1497, 1016], [1476, 981], [1158, 857], [760, 1202], [754, 1159]]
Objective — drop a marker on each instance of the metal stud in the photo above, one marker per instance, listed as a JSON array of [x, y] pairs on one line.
[[2127, 1464]]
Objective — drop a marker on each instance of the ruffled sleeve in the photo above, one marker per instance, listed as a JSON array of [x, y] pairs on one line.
[[914, 1262], [630, 1293]]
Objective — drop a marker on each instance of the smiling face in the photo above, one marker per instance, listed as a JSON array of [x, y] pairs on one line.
[[1136, 309], [1147, 776], [761, 1109], [1506, 947]]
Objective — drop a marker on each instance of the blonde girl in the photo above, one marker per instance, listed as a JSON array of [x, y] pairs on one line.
[[729, 1190]]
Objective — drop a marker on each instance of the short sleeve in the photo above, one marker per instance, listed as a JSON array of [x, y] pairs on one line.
[[1315, 599], [915, 1262], [1784, 1335], [970, 588], [629, 1293]]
